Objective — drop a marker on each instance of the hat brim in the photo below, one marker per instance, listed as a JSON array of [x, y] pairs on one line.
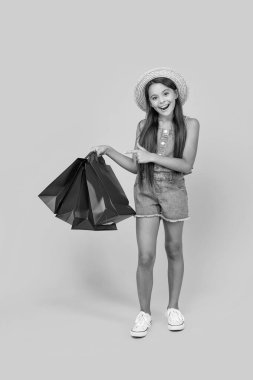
[[166, 72]]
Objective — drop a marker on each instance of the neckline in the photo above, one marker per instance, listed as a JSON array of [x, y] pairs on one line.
[[166, 128]]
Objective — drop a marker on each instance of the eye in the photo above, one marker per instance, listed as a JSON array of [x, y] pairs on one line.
[[165, 93]]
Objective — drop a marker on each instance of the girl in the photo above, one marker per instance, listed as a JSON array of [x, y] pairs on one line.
[[165, 150]]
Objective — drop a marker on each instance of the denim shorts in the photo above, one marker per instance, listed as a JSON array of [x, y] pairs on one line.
[[167, 198]]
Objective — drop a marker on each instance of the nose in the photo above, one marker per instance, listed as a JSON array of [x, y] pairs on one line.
[[162, 101]]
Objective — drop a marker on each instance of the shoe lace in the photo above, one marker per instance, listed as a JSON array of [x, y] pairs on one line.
[[176, 315], [140, 319]]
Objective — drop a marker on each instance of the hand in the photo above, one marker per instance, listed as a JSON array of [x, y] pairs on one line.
[[100, 149], [142, 155]]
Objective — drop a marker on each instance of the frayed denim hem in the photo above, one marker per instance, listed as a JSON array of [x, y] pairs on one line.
[[163, 217]]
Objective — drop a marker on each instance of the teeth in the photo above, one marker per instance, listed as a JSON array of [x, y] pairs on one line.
[[164, 107]]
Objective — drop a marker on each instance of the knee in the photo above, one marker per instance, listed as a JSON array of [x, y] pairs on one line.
[[146, 259], [173, 249]]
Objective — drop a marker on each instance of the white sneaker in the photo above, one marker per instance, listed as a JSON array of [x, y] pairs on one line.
[[142, 323], [175, 319]]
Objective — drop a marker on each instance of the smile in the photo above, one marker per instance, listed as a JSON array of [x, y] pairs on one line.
[[164, 108]]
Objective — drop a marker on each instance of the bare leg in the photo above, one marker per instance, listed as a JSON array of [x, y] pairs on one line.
[[146, 231], [174, 251]]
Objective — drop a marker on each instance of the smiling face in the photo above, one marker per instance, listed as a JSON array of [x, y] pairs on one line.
[[162, 99]]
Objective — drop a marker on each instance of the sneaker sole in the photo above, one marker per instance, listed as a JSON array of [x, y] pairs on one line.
[[176, 328], [138, 334]]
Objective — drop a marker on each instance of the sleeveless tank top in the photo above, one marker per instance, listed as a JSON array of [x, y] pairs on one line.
[[165, 146]]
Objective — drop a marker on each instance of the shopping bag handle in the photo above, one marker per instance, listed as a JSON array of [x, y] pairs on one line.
[[93, 155]]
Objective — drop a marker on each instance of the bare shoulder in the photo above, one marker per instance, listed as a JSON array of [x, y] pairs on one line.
[[142, 123], [192, 123]]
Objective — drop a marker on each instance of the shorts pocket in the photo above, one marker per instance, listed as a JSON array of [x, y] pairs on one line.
[[180, 183]]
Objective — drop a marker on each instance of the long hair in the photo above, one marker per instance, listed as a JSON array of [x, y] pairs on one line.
[[148, 135]]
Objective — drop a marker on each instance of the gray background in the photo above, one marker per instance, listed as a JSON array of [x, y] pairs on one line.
[[68, 298]]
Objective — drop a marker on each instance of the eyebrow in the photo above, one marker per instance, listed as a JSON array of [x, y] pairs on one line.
[[166, 89]]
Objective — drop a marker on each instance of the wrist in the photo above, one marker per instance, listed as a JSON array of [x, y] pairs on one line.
[[153, 157]]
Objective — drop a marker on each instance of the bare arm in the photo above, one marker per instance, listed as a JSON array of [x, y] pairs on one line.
[[185, 164], [138, 132], [125, 162], [122, 160]]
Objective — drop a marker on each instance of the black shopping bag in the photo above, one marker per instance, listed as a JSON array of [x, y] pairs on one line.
[[75, 208], [54, 193], [101, 177], [83, 195], [84, 219]]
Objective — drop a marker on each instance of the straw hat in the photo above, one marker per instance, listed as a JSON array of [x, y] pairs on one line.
[[155, 73]]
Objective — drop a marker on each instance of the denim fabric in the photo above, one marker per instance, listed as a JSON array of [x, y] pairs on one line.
[[167, 198], [165, 144]]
